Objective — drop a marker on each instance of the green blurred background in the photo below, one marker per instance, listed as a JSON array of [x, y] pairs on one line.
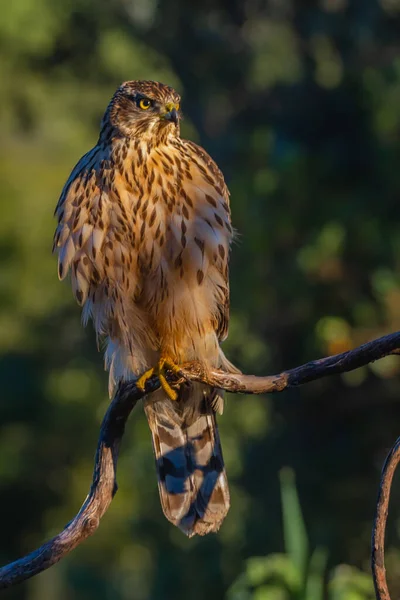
[[299, 103]]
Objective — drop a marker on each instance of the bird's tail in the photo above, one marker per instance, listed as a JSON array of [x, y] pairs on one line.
[[191, 475]]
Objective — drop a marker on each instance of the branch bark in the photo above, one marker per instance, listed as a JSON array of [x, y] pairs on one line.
[[311, 371], [102, 491], [379, 526], [104, 484]]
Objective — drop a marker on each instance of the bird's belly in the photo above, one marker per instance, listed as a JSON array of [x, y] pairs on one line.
[[181, 313]]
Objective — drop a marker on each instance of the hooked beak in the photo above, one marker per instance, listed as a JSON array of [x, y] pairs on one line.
[[171, 113]]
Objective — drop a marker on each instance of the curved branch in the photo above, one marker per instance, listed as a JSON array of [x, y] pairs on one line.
[[378, 530], [311, 371], [104, 485], [102, 491]]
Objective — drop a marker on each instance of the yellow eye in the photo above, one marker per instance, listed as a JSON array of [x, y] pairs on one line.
[[144, 103]]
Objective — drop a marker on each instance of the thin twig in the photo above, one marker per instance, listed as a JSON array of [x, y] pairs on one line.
[[104, 485], [379, 526]]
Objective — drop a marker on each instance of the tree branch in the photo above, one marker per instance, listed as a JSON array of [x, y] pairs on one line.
[[102, 491], [379, 526], [311, 371], [104, 485]]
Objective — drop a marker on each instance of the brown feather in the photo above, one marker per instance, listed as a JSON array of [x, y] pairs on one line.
[[191, 475]]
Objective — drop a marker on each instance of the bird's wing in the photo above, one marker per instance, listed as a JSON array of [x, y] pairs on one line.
[[95, 244], [80, 231], [205, 183]]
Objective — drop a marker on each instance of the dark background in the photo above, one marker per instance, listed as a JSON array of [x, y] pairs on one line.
[[299, 104]]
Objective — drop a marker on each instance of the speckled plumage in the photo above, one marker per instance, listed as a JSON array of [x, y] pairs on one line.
[[144, 229]]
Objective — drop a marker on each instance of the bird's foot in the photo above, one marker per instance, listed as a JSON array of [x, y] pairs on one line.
[[143, 379], [164, 364]]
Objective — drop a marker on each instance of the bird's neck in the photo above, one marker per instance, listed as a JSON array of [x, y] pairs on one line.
[[158, 134]]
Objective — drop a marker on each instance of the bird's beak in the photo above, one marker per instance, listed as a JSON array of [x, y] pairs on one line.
[[171, 113]]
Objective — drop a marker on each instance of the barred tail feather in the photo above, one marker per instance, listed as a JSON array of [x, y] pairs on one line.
[[191, 476]]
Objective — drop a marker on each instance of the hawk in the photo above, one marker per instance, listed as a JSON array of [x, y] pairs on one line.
[[144, 229]]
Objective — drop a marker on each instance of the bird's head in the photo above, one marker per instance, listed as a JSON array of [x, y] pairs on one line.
[[144, 109]]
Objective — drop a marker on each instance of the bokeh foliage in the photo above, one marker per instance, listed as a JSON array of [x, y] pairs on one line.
[[295, 574], [299, 103]]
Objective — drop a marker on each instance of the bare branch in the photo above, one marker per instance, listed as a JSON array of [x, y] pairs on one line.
[[102, 491], [378, 530], [311, 371], [104, 485]]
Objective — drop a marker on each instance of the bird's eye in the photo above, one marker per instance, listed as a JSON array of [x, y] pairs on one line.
[[144, 103]]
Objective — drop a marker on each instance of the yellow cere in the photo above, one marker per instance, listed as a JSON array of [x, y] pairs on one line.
[[171, 106]]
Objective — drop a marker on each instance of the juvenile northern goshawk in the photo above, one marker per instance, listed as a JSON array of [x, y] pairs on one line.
[[144, 228]]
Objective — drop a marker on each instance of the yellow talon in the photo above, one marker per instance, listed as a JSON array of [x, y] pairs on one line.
[[172, 395], [164, 364], [141, 382]]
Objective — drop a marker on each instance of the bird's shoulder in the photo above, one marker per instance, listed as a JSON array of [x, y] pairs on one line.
[[84, 173], [201, 160]]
